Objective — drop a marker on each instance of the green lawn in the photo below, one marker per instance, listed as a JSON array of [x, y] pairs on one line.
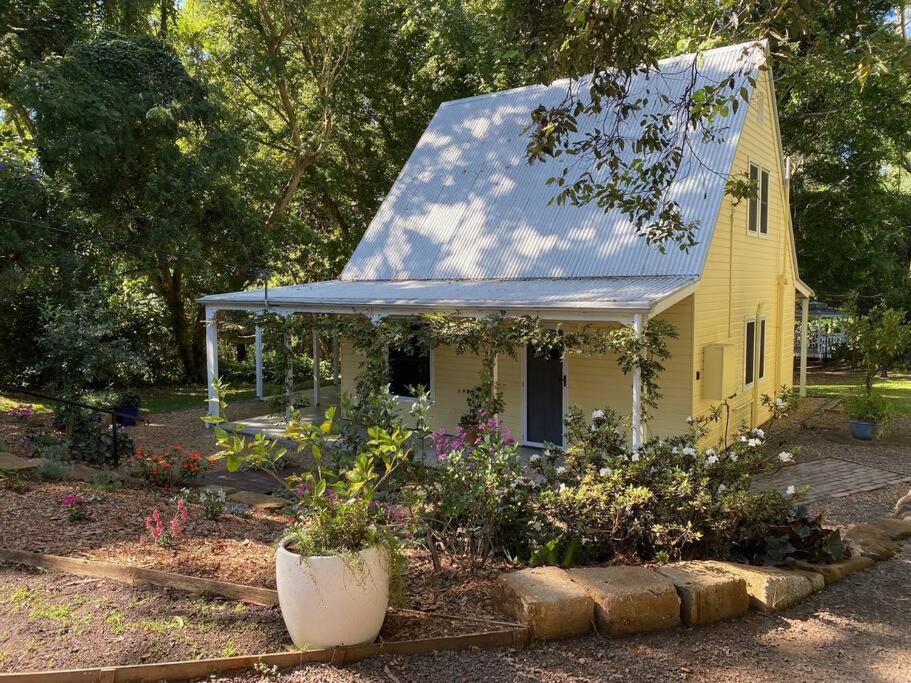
[[897, 388], [167, 399]]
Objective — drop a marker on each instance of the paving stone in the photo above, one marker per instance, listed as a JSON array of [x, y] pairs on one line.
[[82, 472], [11, 462], [707, 594], [547, 600], [258, 500], [817, 580], [896, 529], [770, 588], [629, 599], [870, 541], [835, 572]]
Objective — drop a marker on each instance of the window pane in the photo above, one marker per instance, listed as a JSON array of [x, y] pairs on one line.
[[762, 349], [753, 207], [764, 202], [408, 368], [748, 347]]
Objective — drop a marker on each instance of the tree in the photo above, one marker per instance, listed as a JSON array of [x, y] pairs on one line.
[[140, 142]]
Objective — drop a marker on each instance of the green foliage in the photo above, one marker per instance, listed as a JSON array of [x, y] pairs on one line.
[[52, 470], [671, 499], [869, 405], [474, 502], [90, 441], [879, 338], [794, 536]]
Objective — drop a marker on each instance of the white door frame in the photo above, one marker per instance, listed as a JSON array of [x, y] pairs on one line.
[[535, 444]]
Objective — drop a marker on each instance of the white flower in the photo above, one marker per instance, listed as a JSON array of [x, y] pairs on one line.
[[635, 457], [758, 432], [779, 402], [743, 439], [733, 457], [689, 420], [712, 459], [604, 471], [593, 428], [536, 526], [535, 457], [722, 488], [597, 414], [785, 456], [791, 491], [689, 451], [562, 488], [753, 443], [674, 450], [709, 452], [560, 470]]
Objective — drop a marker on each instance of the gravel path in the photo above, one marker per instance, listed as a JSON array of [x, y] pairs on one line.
[[858, 630]]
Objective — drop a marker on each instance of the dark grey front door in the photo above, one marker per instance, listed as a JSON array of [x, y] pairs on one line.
[[544, 398]]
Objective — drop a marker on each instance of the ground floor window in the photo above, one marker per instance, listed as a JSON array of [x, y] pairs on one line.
[[409, 368], [749, 351]]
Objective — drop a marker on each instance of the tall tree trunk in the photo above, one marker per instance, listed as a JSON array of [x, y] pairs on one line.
[[170, 287]]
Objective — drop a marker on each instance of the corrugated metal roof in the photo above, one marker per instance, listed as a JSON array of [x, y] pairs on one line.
[[468, 205], [610, 293]]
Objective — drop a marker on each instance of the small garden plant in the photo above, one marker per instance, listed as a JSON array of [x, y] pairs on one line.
[[174, 465], [166, 534]]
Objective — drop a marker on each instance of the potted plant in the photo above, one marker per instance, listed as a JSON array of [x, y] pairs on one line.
[[127, 408], [870, 414], [338, 562]]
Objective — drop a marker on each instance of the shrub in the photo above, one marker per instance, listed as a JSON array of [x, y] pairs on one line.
[[213, 501], [869, 405], [105, 480], [90, 440], [794, 536], [670, 499], [52, 470], [474, 503], [174, 465]]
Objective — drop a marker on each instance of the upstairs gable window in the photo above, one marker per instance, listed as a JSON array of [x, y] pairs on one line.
[[758, 206]]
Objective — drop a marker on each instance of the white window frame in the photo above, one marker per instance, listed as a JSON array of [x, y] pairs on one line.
[[761, 197], [762, 325]]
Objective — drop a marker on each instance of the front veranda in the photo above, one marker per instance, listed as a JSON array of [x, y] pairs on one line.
[[537, 388]]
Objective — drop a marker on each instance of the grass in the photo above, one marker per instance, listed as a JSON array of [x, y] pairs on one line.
[[7, 402], [167, 399], [897, 388]]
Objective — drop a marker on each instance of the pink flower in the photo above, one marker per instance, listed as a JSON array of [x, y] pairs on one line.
[[70, 501], [175, 527]]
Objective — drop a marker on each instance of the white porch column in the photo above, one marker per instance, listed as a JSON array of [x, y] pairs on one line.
[[636, 416], [289, 371], [335, 355], [315, 368], [212, 358], [804, 319], [258, 353]]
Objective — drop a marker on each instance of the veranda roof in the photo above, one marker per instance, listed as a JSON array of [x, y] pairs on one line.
[[547, 297]]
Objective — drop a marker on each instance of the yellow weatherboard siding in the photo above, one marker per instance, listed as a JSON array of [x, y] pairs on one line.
[[744, 271]]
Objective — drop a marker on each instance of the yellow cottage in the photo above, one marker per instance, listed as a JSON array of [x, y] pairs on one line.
[[467, 228]]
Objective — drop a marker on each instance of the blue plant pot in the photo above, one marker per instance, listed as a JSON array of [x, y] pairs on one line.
[[865, 431], [128, 419]]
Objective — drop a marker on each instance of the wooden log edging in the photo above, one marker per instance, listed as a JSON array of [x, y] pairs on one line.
[[516, 638], [139, 575]]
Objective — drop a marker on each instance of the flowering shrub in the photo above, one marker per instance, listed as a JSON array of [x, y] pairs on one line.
[[21, 410], [670, 499], [475, 500], [166, 535], [75, 507], [213, 501], [173, 465]]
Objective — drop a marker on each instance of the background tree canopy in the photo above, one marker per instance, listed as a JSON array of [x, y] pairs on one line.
[[154, 150]]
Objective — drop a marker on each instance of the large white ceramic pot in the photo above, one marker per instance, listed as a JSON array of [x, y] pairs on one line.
[[331, 600]]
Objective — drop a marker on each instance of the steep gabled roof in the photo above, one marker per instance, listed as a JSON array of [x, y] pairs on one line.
[[468, 205]]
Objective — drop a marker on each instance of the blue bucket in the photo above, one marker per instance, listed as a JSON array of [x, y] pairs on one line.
[[128, 418]]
